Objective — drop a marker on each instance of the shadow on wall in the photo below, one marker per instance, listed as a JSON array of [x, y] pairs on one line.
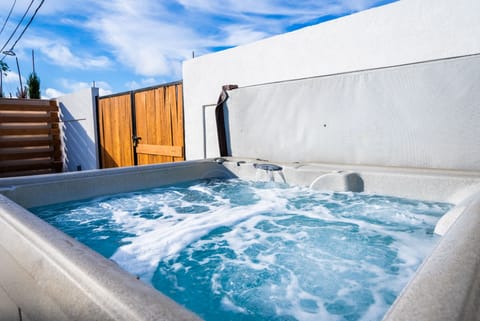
[[80, 151], [107, 161]]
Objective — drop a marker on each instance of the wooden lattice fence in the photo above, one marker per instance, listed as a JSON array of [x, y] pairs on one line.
[[29, 137]]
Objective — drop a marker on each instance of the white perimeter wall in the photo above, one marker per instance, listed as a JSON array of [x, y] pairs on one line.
[[403, 32], [423, 115], [79, 130]]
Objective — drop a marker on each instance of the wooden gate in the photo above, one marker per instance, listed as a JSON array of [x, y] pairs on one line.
[[142, 127]]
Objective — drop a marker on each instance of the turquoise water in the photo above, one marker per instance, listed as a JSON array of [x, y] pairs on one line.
[[240, 250]]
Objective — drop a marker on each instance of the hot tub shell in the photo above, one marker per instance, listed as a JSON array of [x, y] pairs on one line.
[[47, 275]]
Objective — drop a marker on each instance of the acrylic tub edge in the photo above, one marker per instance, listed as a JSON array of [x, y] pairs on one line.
[[50, 276], [423, 184], [447, 285], [46, 275], [49, 189]]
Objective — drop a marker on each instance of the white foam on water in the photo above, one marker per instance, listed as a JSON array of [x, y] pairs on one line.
[[160, 239], [297, 252], [230, 306]]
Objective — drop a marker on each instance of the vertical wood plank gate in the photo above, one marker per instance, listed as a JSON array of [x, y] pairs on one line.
[[142, 127]]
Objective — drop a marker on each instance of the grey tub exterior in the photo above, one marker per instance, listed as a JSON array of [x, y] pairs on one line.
[[46, 275]]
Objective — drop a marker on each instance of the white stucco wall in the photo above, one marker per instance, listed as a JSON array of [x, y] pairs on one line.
[[403, 32], [79, 130], [422, 115]]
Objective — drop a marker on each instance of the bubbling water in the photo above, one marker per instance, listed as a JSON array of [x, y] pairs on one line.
[[240, 250]]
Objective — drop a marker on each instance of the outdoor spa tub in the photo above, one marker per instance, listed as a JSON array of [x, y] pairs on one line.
[[47, 275]]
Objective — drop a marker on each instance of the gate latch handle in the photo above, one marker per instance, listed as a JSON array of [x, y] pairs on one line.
[[135, 140]]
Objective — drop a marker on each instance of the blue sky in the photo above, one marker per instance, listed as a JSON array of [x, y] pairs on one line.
[[129, 44]]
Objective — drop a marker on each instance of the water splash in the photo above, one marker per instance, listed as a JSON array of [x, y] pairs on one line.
[[236, 250], [269, 170]]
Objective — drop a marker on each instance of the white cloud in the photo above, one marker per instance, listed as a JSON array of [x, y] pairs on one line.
[[71, 86], [51, 93], [57, 7], [149, 81], [236, 35], [275, 12], [11, 83], [151, 38], [358, 5], [149, 46], [59, 53], [146, 82], [74, 85], [276, 7], [132, 85], [236, 8], [104, 88], [12, 78]]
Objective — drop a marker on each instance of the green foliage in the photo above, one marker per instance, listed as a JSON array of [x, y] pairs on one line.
[[4, 67], [33, 83]]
